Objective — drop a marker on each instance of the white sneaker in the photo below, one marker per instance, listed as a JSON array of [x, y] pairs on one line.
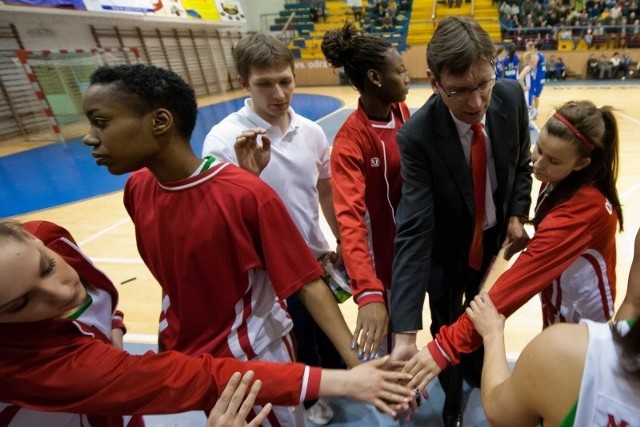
[[320, 413]]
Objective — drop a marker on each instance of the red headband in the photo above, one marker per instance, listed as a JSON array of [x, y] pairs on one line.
[[590, 145]]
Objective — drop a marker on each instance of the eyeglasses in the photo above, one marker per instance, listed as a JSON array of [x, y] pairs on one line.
[[482, 88]]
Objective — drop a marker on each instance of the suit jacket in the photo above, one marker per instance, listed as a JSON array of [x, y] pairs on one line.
[[435, 218]]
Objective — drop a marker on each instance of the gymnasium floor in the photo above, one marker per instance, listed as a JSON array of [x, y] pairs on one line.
[[61, 183]]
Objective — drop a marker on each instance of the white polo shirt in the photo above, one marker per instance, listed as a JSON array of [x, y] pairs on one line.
[[299, 158]]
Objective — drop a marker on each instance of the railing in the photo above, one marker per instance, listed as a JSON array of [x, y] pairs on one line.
[[618, 35], [285, 28]]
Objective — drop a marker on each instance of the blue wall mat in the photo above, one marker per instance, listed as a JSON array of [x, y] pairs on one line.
[[53, 175]]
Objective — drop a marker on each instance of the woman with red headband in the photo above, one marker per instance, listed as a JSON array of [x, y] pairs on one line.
[[571, 259]]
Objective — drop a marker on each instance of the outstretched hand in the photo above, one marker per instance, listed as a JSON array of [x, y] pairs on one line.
[[423, 370], [371, 329], [485, 317], [251, 155], [232, 407], [378, 382]]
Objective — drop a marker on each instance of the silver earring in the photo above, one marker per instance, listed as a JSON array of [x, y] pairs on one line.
[[379, 84]]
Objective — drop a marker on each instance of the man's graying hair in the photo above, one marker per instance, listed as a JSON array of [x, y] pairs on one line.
[[457, 44]]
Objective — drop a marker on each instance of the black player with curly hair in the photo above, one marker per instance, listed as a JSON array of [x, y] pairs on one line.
[[365, 166]]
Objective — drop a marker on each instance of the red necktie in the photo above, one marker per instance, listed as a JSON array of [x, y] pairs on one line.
[[479, 173]]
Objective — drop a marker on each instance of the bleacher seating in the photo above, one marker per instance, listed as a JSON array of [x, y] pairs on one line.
[[308, 35], [423, 24]]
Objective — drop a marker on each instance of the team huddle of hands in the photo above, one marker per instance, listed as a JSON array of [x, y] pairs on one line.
[[397, 380], [392, 385]]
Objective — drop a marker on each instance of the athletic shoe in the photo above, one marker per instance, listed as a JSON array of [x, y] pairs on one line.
[[320, 413]]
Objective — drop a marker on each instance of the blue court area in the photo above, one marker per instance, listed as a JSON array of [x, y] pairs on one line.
[[57, 174]]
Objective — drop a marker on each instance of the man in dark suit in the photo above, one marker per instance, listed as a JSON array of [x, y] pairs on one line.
[[468, 147]]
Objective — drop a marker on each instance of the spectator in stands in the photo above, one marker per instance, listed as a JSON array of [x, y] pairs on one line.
[[356, 8], [313, 13], [593, 67], [634, 40], [367, 25], [551, 68], [561, 70], [625, 63], [505, 9], [515, 9], [387, 22], [392, 8], [380, 13], [615, 64], [598, 35], [605, 67], [588, 36], [526, 8]]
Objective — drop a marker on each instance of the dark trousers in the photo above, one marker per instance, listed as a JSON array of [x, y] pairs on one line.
[[313, 347], [448, 285]]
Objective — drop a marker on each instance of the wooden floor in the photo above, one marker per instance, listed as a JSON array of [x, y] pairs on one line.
[[104, 231]]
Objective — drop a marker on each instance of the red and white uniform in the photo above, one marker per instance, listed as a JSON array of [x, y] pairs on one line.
[[226, 254], [71, 367], [210, 240], [365, 167], [570, 261], [609, 396]]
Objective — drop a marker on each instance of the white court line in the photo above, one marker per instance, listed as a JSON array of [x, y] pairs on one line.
[[118, 260], [629, 191], [637, 122], [632, 119], [344, 107], [103, 232]]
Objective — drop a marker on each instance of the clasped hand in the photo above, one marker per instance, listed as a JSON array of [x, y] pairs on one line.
[[251, 155]]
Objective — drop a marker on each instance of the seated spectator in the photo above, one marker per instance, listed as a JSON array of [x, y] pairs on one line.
[[593, 67], [625, 63], [606, 68], [515, 9], [392, 8], [561, 70], [387, 22], [313, 13], [356, 8], [615, 64], [505, 9], [380, 12], [551, 68], [634, 38], [588, 36]]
